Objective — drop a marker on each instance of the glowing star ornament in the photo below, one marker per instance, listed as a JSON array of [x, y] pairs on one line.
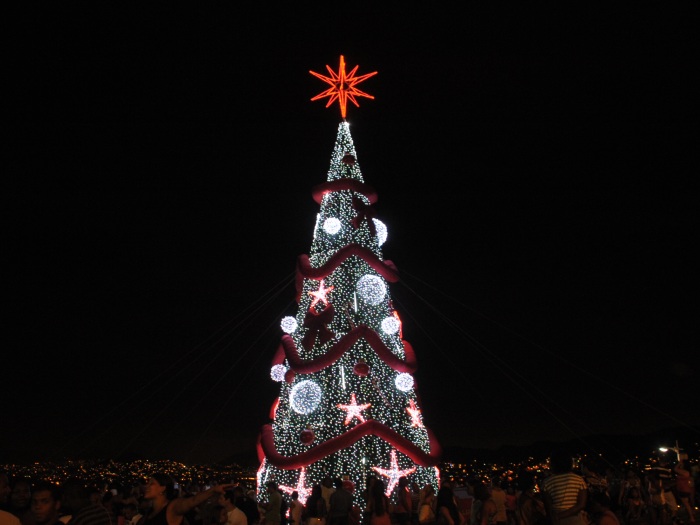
[[320, 294], [301, 488], [343, 86], [354, 410], [414, 412], [393, 473]]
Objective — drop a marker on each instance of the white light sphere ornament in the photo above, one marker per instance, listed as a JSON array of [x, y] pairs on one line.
[[289, 324], [404, 382], [305, 397], [371, 289], [277, 373], [331, 225], [390, 325], [381, 231]]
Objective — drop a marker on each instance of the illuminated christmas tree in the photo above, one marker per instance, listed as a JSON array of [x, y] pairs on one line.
[[348, 406]]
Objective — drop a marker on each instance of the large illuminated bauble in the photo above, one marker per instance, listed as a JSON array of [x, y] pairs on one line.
[[404, 382], [380, 227], [349, 159], [289, 324], [349, 486], [331, 225], [390, 325], [277, 373], [307, 436], [371, 289], [305, 397], [361, 368]]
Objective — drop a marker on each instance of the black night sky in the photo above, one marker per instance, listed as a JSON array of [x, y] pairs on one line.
[[535, 170]]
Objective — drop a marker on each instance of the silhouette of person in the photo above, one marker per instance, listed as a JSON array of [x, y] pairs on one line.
[[565, 492], [166, 508]]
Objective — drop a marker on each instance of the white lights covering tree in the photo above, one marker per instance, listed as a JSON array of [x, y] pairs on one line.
[[348, 406]]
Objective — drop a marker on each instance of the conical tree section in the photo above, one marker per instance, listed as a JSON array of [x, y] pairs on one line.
[[348, 407]]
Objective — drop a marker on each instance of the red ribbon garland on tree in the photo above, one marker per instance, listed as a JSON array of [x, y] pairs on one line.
[[386, 268], [266, 446], [317, 325], [363, 212], [288, 350]]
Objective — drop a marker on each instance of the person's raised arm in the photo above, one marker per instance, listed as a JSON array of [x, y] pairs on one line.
[[678, 468], [181, 506]]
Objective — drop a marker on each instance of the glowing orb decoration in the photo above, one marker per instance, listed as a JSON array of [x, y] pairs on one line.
[[277, 373], [305, 397], [371, 289], [289, 324], [381, 231], [404, 382], [331, 225], [390, 325]]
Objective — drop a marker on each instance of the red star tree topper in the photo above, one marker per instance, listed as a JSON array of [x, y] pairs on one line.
[[343, 86]]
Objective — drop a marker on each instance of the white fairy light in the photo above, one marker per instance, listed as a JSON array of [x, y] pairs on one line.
[[277, 373], [289, 324], [381, 231], [404, 382], [331, 225], [318, 218], [371, 289], [305, 397], [390, 325]]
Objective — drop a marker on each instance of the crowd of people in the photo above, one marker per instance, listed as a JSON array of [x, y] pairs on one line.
[[587, 494]]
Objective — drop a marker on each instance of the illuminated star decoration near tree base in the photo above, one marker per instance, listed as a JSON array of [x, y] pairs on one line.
[[342, 86], [301, 488], [394, 473]]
